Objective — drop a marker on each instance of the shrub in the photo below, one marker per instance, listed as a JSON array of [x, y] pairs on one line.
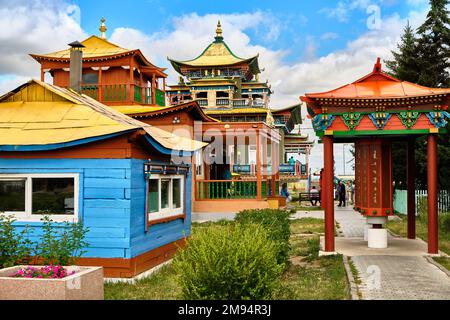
[[15, 247], [277, 223], [61, 245], [444, 222], [230, 262]]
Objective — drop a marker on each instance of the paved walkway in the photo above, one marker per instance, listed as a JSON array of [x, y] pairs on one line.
[[399, 272]]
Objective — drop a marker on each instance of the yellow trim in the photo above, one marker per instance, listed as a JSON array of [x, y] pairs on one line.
[[434, 130], [328, 132], [236, 111]]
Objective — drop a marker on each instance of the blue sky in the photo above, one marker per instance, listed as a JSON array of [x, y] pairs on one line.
[[303, 46], [300, 21]]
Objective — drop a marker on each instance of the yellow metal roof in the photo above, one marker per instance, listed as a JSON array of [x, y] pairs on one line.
[[236, 111], [37, 113], [94, 47], [133, 109], [216, 54]]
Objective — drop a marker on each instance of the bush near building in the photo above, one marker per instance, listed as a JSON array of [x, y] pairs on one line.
[[229, 262], [277, 224]]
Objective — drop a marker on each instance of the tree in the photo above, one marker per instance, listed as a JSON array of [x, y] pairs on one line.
[[434, 51], [405, 64], [425, 59], [434, 46]]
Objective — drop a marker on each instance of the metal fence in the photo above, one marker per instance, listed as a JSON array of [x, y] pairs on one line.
[[401, 200]]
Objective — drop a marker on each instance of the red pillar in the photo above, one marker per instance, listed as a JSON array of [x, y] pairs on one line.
[[432, 195], [327, 192], [410, 177]]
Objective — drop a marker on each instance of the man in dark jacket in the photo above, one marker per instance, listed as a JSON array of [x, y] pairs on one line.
[[341, 194]]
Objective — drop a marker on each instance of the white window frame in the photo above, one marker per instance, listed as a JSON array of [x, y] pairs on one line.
[[27, 214], [168, 212]]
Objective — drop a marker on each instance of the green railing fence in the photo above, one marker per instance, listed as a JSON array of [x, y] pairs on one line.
[[115, 92], [231, 189], [160, 98], [90, 90]]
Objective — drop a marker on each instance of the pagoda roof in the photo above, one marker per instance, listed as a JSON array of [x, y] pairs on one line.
[[217, 54], [377, 85], [96, 48], [38, 115]]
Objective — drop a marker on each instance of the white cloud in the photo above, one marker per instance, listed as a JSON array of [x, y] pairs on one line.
[[33, 27], [343, 8]]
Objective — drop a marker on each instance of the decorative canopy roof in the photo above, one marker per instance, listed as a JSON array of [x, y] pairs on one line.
[[378, 104], [38, 114], [377, 85], [217, 54]]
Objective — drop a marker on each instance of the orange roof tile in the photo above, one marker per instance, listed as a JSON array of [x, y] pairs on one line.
[[378, 85]]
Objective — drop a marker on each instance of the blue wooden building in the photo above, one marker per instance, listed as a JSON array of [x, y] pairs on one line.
[[76, 159]]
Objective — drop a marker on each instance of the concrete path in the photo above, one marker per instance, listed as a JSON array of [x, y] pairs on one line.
[[399, 272], [401, 278]]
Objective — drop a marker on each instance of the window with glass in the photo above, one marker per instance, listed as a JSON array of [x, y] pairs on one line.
[[30, 196], [165, 196], [90, 78]]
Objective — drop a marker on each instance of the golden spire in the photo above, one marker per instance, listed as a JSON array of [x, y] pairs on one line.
[[219, 32], [103, 28]]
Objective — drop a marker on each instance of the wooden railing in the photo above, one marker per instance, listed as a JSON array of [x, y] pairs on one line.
[[202, 102], [160, 98], [120, 93], [222, 101]]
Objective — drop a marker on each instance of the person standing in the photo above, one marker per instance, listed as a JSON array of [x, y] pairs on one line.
[[285, 193], [341, 191]]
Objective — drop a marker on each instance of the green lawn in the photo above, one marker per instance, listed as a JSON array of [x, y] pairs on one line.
[[307, 277], [400, 227]]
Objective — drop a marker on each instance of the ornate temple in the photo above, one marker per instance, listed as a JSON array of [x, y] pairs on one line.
[[228, 88]]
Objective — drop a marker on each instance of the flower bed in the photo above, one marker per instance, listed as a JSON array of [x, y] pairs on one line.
[[51, 283], [46, 272]]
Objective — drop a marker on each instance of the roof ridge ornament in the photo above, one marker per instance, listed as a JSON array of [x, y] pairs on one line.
[[377, 66], [219, 36], [103, 28]]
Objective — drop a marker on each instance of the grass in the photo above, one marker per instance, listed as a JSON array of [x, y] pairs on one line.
[[443, 261], [162, 285], [399, 226], [307, 277]]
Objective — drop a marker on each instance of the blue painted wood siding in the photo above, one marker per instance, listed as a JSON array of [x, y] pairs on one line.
[[112, 204], [159, 234]]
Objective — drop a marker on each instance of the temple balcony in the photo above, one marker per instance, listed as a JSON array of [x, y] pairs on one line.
[[123, 93]]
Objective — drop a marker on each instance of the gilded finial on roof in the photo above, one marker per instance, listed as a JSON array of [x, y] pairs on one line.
[[219, 32], [103, 28]]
